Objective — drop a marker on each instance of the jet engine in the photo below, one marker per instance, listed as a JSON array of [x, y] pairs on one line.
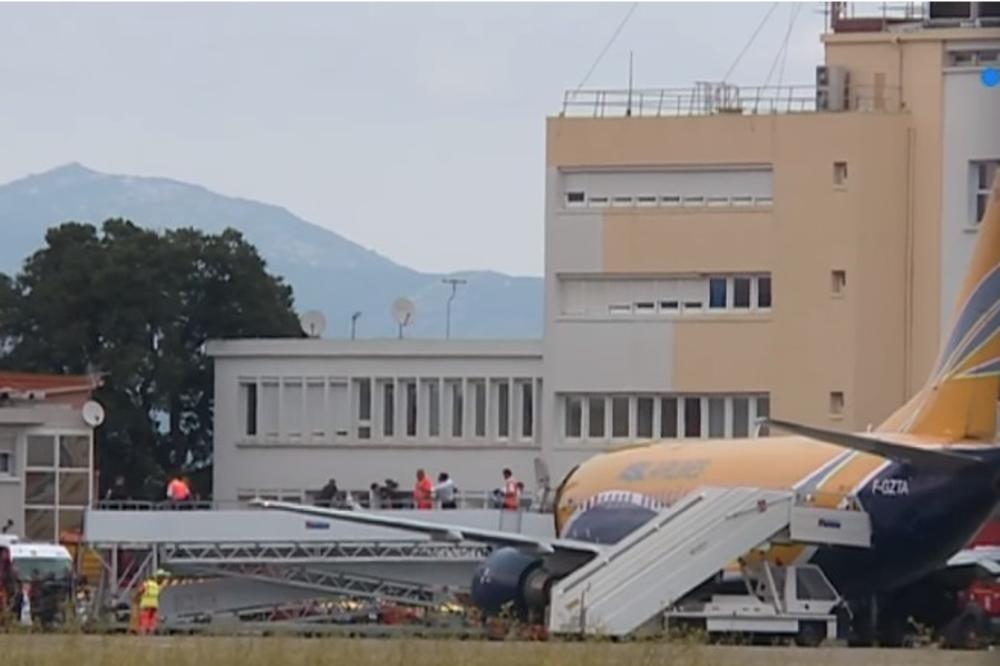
[[511, 577]]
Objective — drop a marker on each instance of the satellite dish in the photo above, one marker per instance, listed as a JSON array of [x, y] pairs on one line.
[[313, 323], [93, 413], [403, 310]]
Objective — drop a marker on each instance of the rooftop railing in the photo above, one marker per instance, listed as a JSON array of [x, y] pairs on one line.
[[717, 99]]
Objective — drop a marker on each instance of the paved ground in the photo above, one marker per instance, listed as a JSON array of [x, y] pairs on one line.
[[22, 650]]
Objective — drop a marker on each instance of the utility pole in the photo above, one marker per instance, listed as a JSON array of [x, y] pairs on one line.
[[354, 323], [454, 282]]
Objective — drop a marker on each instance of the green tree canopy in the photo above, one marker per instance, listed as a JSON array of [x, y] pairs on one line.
[[138, 307]]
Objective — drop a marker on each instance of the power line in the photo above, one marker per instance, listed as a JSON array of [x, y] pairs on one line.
[[607, 46], [788, 35], [760, 26]]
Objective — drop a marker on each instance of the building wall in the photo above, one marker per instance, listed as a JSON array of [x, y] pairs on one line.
[[812, 228], [971, 133], [52, 479], [287, 462]]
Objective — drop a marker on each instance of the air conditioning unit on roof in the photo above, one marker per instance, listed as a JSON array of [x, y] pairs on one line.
[[832, 92]]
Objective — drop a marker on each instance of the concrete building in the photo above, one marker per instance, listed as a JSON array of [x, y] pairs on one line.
[[712, 256], [46, 454]]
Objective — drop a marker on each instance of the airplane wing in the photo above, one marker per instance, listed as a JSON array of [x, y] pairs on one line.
[[438, 531], [932, 459]]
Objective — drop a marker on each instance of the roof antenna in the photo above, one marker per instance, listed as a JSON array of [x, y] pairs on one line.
[[628, 106]]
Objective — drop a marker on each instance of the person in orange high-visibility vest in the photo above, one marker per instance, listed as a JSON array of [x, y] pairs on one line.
[[149, 603], [423, 492], [511, 491]]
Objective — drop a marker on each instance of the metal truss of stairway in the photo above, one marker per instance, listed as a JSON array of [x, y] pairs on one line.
[[299, 554], [647, 572], [329, 583]]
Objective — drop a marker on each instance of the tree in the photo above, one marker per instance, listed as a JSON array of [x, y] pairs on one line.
[[138, 306]]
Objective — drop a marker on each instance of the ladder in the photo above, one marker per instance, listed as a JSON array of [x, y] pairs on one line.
[[685, 545]]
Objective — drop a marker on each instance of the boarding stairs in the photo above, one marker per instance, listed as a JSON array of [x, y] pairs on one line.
[[685, 545]]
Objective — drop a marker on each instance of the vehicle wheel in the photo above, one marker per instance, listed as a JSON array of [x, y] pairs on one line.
[[966, 631], [811, 634]]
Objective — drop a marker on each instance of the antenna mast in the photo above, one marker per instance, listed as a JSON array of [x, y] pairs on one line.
[[454, 282]]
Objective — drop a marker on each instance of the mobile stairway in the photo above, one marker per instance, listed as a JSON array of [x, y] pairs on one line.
[[648, 572]]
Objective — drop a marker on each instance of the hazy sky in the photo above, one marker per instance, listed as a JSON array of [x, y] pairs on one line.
[[416, 130]]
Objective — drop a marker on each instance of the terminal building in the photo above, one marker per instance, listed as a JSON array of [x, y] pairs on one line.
[[712, 256]]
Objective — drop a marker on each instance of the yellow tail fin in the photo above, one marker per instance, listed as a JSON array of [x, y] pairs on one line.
[[959, 401]]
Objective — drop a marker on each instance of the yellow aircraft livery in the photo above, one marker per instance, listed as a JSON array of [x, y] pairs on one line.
[[929, 476]]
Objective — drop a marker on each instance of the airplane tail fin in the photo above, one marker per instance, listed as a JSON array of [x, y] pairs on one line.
[[959, 401]]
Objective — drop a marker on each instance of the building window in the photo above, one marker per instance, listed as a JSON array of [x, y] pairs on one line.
[[527, 411], [645, 307], [457, 412], [433, 410], [388, 409], [619, 417], [41, 451], [692, 417], [595, 418], [574, 414], [741, 293], [716, 417], [363, 388], [503, 410], [668, 417], [983, 174], [316, 411], [836, 403], [292, 406], [741, 417], [764, 293], [411, 409], [763, 406], [479, 400], [838, 282], [269, 407], [840, 174], [576, 198], [248, 401], [717, 293], [6, 463], [644, 418]]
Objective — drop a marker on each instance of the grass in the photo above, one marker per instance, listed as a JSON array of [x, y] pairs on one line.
[[81, 650]]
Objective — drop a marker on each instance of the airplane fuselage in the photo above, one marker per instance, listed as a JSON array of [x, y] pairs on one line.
[[919, 518]]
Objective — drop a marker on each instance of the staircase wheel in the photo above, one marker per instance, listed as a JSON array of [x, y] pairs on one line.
[[811, 634]]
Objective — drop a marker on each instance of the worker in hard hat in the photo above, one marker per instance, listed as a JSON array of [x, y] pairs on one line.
[[149, 602]]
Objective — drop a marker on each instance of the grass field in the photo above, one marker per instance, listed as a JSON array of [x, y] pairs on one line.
[[78, 650]]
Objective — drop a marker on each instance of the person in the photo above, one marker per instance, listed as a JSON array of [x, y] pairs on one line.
[[149, 602], [328, 494], [423, 492], [374, 496], [178, 490], [116, 491], [446, 492], [511, 492]]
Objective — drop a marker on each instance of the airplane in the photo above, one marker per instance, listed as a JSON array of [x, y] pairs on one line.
[[929, 477]]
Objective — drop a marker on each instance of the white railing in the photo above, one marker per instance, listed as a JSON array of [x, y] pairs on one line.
[[711, 98], [399, 499]]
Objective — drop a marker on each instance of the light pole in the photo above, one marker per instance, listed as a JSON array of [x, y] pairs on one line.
[[354, 322], [454, 282]]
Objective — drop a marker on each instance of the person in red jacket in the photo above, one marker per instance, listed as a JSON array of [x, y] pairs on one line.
[[511, 491], [423, 492]]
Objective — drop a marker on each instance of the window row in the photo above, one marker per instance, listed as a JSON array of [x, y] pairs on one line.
[[591, 417], [57, 483], [388, 408], [580, 199], [639, 297]]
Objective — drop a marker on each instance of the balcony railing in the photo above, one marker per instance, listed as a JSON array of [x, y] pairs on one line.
[[711, 99]]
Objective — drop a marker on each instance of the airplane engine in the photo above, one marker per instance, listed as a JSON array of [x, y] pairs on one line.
[[510, 576]]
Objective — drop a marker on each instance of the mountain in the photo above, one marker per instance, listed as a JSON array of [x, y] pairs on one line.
[[327, 272]]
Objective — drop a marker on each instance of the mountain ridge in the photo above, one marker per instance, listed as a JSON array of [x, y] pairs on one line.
[[327, 271]]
